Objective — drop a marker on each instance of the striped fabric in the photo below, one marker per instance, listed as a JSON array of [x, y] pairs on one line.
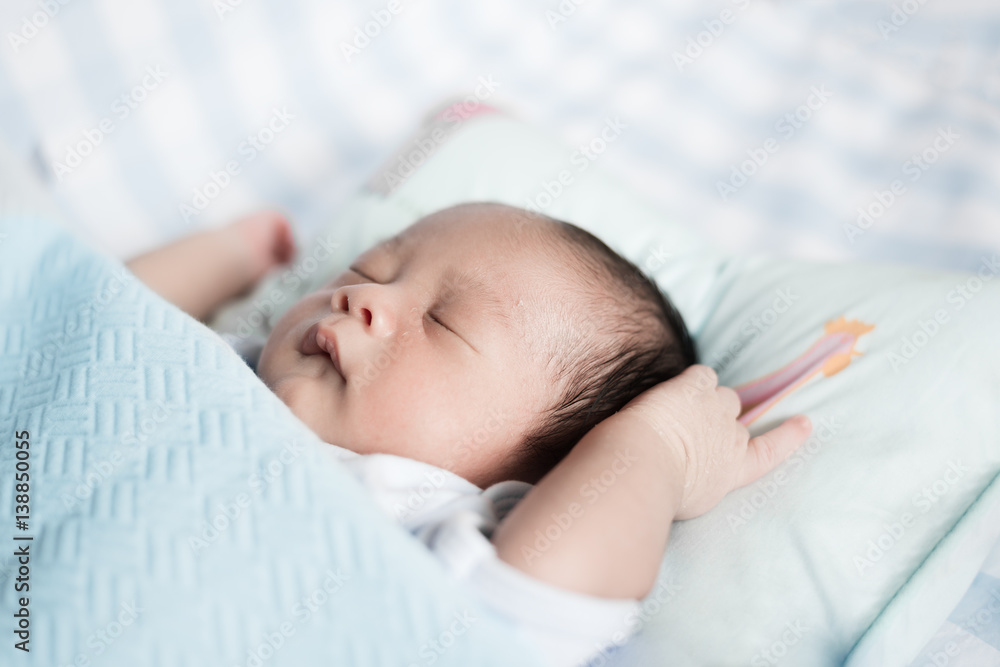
[[840, 130], [971, 636], [766, 124]]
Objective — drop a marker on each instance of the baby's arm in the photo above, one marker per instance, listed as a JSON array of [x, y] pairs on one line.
[[200, 272], [671, 453]]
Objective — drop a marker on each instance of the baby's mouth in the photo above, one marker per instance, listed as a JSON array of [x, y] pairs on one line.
[[319, 339]]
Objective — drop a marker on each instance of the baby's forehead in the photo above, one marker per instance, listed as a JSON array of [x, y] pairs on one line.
[[496, 241], [500, 237], [492, 243], [480, 221]]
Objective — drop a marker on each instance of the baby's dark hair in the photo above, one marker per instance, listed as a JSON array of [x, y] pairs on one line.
[[633, 339]]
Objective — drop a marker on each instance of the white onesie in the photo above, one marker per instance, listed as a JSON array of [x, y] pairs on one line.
[[455, 519]]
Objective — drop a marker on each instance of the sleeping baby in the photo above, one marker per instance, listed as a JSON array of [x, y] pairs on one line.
[[541, 422]]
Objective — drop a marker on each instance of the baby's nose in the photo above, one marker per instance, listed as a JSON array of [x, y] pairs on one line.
[[371, 304]]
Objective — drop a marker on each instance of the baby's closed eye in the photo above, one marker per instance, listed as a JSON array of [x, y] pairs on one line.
[[436, 318], [361, 274]]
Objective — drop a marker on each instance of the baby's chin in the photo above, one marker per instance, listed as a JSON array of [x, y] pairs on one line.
[[310, 403]]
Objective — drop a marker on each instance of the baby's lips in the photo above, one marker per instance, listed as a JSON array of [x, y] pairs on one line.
[[319, 339], [330, 346], [308, 344]]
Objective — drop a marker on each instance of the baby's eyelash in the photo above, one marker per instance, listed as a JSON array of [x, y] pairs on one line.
[[366, 277], [436, 320]]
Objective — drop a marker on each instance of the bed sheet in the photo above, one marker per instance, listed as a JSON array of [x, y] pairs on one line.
[[768, 124], [852, 97], [971, 635]]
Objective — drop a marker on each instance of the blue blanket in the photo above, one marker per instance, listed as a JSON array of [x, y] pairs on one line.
[[174, 511]]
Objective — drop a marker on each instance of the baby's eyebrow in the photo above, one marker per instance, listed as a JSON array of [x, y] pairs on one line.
[[470, 284], [390, 244]]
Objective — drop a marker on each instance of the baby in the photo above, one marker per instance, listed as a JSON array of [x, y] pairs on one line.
[[583, 371]]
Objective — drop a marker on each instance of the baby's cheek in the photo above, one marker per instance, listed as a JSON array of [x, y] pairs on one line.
[[406, 410], [276, 353], [297, 393]]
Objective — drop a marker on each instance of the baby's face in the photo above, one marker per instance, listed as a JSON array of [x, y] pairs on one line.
[[429, 346]]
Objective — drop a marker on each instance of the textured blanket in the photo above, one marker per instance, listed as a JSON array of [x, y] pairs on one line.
[[171, 511]]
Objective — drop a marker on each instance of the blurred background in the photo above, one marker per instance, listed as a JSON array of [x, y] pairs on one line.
[[829, 130]]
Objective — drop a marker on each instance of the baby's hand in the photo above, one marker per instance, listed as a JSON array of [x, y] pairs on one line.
[[266, 240], [695, 422]]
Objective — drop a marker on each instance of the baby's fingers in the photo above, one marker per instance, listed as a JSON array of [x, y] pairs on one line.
[[769, 449]]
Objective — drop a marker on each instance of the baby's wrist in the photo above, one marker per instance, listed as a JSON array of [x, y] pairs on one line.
[[257, 243], [634, 427], [250, 256]]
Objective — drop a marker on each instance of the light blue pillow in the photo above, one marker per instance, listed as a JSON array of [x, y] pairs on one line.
[[856, 547]]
